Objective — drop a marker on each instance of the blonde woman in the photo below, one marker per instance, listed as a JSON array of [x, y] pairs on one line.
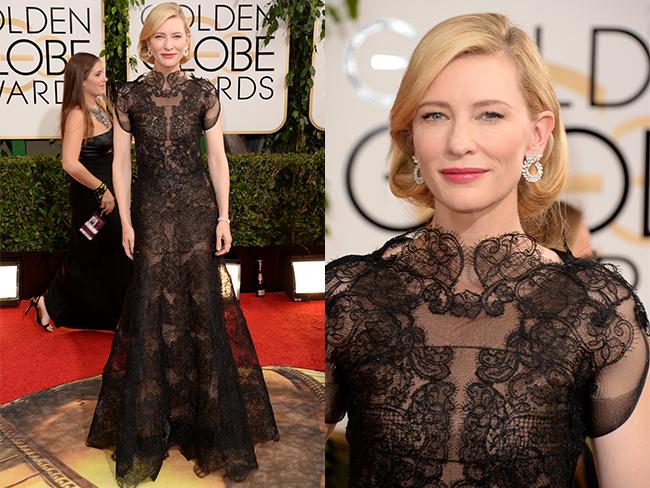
[[182, 369], [469, 354]]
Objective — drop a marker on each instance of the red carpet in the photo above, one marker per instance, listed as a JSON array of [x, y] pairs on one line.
[[284, 333]]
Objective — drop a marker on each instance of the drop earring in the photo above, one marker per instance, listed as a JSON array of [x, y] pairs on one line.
[[417, 174], [148, 52], [532, 160], [186, 51]]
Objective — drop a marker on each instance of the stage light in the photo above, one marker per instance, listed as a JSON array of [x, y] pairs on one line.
[[9, 283], [308, 278], [234, 270]]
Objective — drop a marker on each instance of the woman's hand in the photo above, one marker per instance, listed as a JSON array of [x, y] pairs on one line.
[[128, 240], [224, 239], [108, 202]]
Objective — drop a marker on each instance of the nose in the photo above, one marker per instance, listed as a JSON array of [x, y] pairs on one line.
[[460, 139]]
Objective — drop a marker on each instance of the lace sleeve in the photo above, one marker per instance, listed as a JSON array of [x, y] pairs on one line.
[[340, 308], [123, 106], [211, 105], [618, 338]]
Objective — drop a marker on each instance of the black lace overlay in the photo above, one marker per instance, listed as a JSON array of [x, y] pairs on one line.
[[474, 367], [182, 369]]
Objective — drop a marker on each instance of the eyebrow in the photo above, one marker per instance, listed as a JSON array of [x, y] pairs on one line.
[[479, 104]]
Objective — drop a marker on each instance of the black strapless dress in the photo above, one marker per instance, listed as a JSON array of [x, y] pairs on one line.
[[88, 289]]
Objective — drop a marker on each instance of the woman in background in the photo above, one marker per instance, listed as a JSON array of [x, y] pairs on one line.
[[88, 289]]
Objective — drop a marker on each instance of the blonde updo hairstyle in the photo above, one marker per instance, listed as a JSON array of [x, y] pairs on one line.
[[157, 17], [487, 34]]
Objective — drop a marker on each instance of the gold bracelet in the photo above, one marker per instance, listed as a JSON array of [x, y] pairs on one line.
[[99, 191]]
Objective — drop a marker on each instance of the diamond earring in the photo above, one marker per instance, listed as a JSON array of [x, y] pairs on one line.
[[417, 174], [532, 160], [186, 52], [148, 52]]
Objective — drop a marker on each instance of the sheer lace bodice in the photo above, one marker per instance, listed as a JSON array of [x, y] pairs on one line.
[[482, 366]]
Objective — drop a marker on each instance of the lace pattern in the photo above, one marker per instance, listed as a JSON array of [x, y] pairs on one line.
[[477, 366], [182, 369]]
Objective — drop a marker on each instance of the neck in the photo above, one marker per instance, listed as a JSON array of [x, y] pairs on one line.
[[166, 70], [472, 227], [91, 101]]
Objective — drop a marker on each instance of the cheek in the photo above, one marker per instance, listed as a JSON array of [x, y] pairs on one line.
[[428, 142], [155, 44], [507, 146]]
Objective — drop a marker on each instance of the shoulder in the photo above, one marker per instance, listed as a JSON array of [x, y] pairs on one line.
[[75, 121], [124, 90], [75, 115], [599, 280], [608, 302], [342, 273], [203, 84], [128, 86]]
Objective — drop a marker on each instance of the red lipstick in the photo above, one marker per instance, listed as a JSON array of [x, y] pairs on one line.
[[463, 175]]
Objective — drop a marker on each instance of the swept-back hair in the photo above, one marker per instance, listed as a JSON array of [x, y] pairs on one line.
[[157, 17], [486, 33]]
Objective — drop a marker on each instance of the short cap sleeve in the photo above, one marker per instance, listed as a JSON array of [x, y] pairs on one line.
[[123, 103], [340, 311], [211, 106], [619, 340]]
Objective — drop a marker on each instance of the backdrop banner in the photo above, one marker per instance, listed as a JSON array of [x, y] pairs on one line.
[[599, 59], [37, 37], [317, 101], [228, 49]]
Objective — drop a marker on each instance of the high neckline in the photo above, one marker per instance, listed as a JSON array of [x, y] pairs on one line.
[[159, 80], [437, 252]]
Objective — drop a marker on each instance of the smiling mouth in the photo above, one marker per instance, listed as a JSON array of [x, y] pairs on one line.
[[460, 171], [462, 175], [168, 55]]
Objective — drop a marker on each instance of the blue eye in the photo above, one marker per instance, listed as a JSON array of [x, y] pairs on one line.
[[434, 116], [492, 115]]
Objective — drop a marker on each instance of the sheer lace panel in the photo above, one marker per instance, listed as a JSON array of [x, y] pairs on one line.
[[477, 366], [212, 106], [122, 106]]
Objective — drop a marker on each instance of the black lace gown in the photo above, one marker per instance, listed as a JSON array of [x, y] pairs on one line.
[[88, 289], [182, 369], [478, 367]]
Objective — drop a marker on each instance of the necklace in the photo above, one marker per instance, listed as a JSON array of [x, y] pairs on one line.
[[99, 115]]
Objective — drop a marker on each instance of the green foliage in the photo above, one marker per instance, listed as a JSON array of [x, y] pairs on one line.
[[34, 209], [297, 134], [116, 40], [274, 199], [351, 10], [277, 198]]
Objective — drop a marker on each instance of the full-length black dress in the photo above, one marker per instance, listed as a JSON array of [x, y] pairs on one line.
[[88, 289], [481, 366], [183, 369]]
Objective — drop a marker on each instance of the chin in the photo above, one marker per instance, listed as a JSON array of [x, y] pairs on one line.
[[464, 207], [461, 200]]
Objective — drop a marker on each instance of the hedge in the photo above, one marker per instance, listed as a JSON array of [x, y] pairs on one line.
[[274, 199]]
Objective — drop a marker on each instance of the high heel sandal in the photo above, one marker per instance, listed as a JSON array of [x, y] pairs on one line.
[[33, 302]]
